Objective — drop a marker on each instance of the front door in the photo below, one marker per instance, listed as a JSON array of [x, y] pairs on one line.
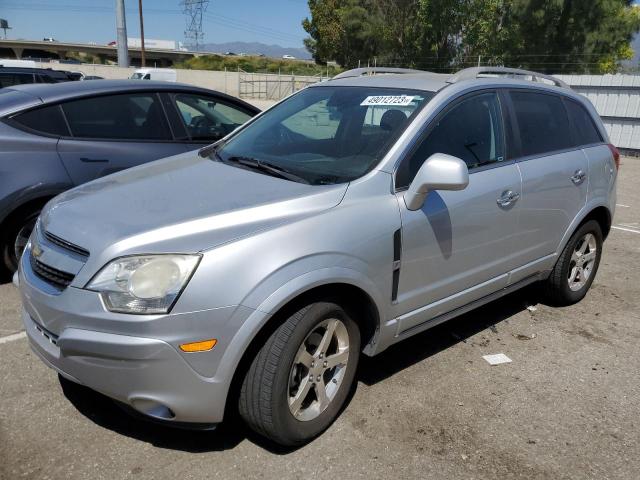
[[459, 246]]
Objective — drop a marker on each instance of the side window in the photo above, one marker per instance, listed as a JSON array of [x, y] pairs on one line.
[[10, 79], [137, 116], [207, 118], [585, 132], [47, 120], [318, 121], [471, 130], [542, 121]]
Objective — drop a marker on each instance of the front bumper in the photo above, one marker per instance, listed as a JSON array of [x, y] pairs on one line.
[[134, 360]]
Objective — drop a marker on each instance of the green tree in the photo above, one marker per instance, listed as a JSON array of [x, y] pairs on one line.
[[556, 36]]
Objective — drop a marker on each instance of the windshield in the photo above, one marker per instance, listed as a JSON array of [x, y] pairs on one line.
[[326, 135], [137, 76]]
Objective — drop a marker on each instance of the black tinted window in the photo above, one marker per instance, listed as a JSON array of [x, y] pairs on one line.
[[47, 120], [10, 79], [584, 129], [472, 130], [136, 116], [543, 123]]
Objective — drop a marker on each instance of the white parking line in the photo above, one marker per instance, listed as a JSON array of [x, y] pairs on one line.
[[621, 205], [15, 336], [626, 229]]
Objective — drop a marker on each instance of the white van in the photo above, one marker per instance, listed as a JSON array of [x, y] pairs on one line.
[[9, 62], [165, 74]]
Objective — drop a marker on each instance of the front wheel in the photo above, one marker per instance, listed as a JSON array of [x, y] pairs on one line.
[[576, 267], [301, 377]]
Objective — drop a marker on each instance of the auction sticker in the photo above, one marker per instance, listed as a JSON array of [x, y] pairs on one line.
[[400, 100]]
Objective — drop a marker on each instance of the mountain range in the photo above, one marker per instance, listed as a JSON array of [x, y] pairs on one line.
[[254, 48]]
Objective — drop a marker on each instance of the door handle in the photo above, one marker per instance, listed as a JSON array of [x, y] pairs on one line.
[[507, 198], [578, 177], [94, 160]]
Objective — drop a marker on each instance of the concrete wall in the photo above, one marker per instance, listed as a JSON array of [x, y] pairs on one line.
[[226, 82]]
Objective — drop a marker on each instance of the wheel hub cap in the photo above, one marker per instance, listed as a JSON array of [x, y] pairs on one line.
[[582, 262], [318, 369]]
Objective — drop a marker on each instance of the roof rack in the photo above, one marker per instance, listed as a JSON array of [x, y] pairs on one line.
[[359, 72], [477, 72]]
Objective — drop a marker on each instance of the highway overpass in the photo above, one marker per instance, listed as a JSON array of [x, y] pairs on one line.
[[40, 49]]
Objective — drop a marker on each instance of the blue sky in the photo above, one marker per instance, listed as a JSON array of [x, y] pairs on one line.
[[266, 21]]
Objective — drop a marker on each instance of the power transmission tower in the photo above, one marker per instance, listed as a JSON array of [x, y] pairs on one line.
[[194, 10]]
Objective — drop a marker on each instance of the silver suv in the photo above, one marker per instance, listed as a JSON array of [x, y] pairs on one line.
[[352, 215]]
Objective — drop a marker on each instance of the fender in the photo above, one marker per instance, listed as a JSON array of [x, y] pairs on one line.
[[584, 212], [259, 317], [19, 198]]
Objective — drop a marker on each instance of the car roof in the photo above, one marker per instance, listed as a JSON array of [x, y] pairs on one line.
[[58, 92], [427, 81]]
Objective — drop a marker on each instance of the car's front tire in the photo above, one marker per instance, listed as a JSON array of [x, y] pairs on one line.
[[302, 375], [576, 267]]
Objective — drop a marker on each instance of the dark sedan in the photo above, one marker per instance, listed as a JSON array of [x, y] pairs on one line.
[[54, 137]]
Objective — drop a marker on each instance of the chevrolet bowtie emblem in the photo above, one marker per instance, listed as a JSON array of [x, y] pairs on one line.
[[36, 251]]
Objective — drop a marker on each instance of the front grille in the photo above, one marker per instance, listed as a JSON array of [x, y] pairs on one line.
[[55, 277], [66, 245]]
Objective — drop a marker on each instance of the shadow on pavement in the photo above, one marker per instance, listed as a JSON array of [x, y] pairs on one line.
[[107, 414], [430, 342]]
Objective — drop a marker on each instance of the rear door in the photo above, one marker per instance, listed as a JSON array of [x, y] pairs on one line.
[[110, 133], [554, 177], [204, 119]]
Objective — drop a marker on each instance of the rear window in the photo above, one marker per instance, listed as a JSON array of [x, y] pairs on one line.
[[137, 116], [542, 121], [47, 120], [585, 131]]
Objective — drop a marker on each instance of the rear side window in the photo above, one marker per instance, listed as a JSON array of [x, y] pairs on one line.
[[137, 116], [10, 79], [542, 121], [585, 131], [472, 131], [47, 120]]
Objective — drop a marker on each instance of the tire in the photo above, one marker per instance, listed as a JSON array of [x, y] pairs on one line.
[[16, 227], [559, 289], [288, 365]]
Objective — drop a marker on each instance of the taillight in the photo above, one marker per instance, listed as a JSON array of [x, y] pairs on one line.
[[616, 155]]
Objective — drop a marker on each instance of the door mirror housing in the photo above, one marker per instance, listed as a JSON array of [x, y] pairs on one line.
[[438, 172]]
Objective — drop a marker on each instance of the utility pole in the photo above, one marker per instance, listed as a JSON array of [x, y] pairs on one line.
[[141, 34], [121, 28]]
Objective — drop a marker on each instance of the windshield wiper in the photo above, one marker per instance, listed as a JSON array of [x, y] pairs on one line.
[[268, 168]]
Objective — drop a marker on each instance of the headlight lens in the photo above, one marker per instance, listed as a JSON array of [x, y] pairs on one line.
[[146, 284]]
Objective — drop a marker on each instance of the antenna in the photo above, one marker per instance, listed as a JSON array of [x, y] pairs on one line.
[[194, 10]]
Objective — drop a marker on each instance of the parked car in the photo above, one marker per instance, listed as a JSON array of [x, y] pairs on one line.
[[352, 215], [10, 76], [288, 57], [54, 137], [164, 74]]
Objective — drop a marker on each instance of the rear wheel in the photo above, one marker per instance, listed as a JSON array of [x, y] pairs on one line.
[[301, 377], [576, 268], [15, 239]]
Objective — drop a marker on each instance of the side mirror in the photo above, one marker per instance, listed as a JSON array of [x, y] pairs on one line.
[[439, 172]]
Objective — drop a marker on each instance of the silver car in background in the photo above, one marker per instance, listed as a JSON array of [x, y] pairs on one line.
[[354, 214]]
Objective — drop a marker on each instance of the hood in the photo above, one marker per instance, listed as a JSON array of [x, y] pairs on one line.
[[181, 204]]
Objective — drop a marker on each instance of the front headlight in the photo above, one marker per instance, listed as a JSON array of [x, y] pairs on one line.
[[145, 284]]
